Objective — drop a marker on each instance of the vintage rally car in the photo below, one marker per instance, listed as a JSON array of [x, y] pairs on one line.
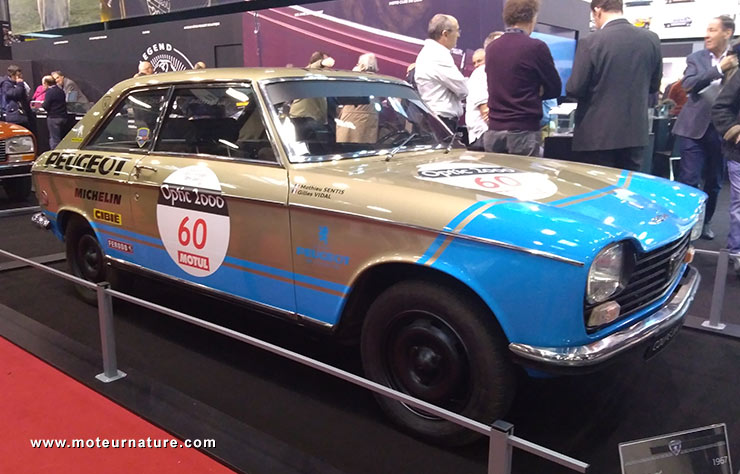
[[17, 152], [338, 200]]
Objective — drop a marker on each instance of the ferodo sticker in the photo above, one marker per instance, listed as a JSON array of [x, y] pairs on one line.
[[193, 220], [497, 179]]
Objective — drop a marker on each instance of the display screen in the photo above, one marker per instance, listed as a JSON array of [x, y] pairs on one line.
[[562, 44]]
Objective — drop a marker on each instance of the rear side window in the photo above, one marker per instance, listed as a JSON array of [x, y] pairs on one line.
[[131, 127], [221, 121]]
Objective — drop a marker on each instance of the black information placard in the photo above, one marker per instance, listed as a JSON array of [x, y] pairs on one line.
[[699, 451]]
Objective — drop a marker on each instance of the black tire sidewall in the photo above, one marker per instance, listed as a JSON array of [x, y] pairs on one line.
[[490, 370], [76, 229]]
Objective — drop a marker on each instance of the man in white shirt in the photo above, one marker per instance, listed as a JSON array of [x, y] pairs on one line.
[[439, 81], [476, 105]]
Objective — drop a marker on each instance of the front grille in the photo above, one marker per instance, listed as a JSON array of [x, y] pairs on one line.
[[652, 275], [3, 157]]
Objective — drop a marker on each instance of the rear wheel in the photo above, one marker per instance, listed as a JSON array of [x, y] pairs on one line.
[[84, 257], [18, 189], [430, 342]]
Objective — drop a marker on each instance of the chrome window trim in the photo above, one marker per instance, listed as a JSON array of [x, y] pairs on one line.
[[208, 156], [497, 243], [103, 121], [215, 84], [275, 118]]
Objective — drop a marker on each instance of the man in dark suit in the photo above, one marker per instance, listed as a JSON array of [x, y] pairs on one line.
[[701, 147], [55, 105], [615, 70]]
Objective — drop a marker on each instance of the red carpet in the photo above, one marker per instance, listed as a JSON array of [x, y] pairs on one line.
[[38, 402]]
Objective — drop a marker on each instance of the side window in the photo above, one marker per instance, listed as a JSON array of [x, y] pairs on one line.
[[131, 127], [222, 121]]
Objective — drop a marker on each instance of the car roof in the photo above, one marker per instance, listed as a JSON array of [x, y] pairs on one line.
[[247, 74]]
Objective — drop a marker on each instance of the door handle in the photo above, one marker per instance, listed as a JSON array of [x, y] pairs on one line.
[[138, 168]]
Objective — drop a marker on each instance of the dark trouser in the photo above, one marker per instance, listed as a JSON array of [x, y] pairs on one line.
[[55, 125], [477, 145], [702, 159], [514, 142], [733, 240], [622, 158], [450, 122]]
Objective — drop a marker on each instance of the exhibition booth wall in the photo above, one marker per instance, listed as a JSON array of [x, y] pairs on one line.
[[287, 36]]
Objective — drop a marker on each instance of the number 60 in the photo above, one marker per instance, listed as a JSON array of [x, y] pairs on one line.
[[183, 233]]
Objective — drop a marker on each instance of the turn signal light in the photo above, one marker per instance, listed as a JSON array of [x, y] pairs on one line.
[[689, 257], [604, 314]]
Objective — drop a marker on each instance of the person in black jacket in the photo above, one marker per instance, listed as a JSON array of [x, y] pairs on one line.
[[725, 112], [55, 105], [15, 104], [616, 68]]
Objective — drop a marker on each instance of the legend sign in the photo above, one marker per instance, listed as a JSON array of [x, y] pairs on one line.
[[699, 451]]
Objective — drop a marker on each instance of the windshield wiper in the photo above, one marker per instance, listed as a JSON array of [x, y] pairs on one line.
[[452, 139], [392, 153]]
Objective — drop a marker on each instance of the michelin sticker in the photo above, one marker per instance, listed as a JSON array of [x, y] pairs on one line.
[[523, 186], [193, 220]]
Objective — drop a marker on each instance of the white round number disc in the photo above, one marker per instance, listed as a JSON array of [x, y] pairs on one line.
[[193, 220]]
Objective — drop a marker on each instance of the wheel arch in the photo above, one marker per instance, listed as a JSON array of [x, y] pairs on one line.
[[65, 216], [372, 281]]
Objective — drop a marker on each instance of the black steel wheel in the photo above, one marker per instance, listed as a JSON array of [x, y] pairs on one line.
[[430, 342], [85, 257]]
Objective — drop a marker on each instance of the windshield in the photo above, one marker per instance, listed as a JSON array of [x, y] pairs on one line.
[[321, 120]]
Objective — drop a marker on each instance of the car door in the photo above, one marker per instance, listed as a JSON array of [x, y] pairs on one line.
[[211, 197], [99, 171]]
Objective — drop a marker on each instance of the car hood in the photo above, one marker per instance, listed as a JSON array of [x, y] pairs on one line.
[[569, 209]]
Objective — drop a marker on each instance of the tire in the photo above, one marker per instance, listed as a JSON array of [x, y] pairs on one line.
[[430, 342], [18, 189], [85, 257]]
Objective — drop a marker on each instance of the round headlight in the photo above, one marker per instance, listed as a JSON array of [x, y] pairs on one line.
[[606, 275]]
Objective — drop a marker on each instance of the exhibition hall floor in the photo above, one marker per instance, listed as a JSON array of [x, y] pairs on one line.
[[270, 415]]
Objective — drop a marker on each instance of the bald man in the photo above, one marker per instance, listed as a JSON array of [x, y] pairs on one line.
[[439, 81], [145, 69]]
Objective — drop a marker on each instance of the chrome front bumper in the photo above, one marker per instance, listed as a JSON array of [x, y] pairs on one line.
[[41, 221], [659, 325]]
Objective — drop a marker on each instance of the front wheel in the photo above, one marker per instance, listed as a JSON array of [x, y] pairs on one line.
[[432, 343]]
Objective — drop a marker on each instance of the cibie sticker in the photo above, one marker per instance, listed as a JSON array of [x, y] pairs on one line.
[[193, 220], [509, 182]]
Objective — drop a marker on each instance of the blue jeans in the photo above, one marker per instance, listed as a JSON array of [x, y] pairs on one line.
[[733, 240], [702, 160]]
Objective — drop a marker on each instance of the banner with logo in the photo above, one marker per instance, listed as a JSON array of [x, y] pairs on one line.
[[27, 16]]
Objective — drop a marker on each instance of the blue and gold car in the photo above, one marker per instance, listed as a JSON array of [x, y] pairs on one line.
[[339, 201]]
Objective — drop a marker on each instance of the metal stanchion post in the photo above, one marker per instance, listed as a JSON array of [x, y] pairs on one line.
[[499, 448], [718, 295], [107, 336]]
